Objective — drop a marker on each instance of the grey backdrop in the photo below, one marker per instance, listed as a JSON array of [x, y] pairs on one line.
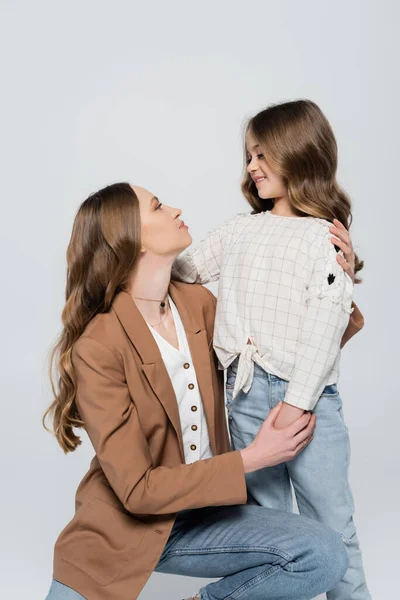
[[157, 93]]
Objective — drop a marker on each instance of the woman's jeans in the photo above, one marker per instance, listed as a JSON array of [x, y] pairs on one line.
[[319, 474], [258, 552], [59, 591]]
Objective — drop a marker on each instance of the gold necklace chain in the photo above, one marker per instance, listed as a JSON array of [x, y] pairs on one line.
[[162, 306], [161, 302], [161, 322]]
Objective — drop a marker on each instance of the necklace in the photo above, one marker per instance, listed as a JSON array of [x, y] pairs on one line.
[[162, 303], [161, 322]]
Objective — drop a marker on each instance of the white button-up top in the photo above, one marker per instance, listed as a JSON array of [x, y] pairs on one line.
[[282, 289], [196, 442]]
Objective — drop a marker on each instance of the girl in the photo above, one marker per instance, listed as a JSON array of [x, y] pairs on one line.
[[135, 368], [283, 304]]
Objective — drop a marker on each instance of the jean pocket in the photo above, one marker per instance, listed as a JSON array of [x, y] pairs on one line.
[[230, 378], [333, 402], [330, 391]]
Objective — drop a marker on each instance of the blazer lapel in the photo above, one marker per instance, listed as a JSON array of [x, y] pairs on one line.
[[152, 363]]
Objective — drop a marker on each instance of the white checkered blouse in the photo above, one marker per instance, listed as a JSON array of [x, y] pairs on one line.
[[281, 289]]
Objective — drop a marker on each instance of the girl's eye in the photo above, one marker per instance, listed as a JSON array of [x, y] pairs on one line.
[[249, 159], [159, 206]]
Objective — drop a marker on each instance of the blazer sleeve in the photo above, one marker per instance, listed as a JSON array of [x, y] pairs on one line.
[[356, 323], [113, 426]]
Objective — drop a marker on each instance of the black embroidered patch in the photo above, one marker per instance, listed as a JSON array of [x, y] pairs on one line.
[[331, 278]]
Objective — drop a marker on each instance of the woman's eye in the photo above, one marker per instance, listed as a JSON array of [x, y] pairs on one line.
[[159, 206], [260, 156]]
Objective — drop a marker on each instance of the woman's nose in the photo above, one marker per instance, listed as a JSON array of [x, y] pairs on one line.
[[174, 212]]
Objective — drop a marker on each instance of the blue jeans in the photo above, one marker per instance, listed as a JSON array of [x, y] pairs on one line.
[[319, 474], [59, 591], [259, 553]]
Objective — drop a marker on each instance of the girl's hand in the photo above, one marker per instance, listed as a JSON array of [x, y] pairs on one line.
[[342, 239], [273, 446], [288, 415]]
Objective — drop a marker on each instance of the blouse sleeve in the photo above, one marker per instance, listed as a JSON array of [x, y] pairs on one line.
[[328, 299], [202, 263]]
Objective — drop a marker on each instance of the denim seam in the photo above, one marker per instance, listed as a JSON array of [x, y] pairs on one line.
[[172, 546], [271, 395], [232, 549], [246, 586], [203, 594], [253, 582]]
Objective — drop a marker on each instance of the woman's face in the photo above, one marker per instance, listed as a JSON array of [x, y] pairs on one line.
[[269, 183], [163, 232]]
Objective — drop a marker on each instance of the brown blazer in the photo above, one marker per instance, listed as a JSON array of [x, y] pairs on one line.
[[127, 502]]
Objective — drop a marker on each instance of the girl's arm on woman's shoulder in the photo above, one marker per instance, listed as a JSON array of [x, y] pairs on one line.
[[202, 263], [113, 426]]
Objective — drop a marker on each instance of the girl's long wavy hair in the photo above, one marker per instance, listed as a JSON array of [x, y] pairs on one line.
[[101, 256], [299, 144]]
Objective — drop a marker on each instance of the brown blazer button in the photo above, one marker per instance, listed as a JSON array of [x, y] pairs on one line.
[[186, 366], [194, 427], [159, 531], [191, 386], [193, 447], [194, 408]]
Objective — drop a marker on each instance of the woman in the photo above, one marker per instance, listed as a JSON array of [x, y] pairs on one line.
[[164, 491]]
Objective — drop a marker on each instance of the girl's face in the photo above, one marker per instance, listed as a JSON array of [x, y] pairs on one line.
[[163, 232], [269, 183]]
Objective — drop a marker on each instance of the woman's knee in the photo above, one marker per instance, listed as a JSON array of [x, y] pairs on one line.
[[330, 557]]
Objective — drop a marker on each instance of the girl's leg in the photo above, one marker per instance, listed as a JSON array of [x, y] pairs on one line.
[[259, 553], [59, 591], [269, 487], [320, 478]]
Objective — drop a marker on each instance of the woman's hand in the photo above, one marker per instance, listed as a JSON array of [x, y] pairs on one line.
[[342, 239], [273, 446]]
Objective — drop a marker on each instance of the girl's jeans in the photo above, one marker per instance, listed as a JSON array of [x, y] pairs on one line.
[[319, 474], [257, 552]]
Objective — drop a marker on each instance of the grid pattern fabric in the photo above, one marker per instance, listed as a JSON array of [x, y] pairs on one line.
[[284, 302]]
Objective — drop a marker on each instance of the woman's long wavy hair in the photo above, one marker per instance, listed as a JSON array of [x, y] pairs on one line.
[[101, 257], [299, 144]]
